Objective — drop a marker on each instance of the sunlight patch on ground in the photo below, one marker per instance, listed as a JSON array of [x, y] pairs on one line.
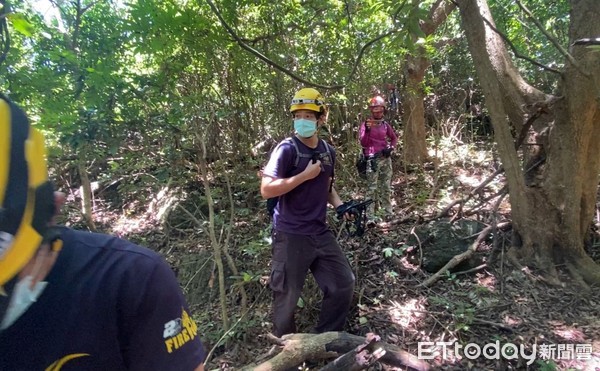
[[489, 282], [567, 332], [468, 179], [593, 364], [127, 225], [158, 208], [512, 321], [449, 152], [408, 313], [162, 202], [407, 266]]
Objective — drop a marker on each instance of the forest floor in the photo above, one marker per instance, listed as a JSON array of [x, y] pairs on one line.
[[558, 328], [496, 307]]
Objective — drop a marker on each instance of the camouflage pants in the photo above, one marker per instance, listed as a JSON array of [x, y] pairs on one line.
[[379, 181]]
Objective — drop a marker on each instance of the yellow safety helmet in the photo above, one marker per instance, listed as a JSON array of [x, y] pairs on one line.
[[308, 98], [26, 195]]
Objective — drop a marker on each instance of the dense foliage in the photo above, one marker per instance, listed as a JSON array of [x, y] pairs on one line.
[[149, 97]]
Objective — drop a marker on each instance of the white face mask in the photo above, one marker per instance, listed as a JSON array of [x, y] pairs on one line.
[[21, 299]]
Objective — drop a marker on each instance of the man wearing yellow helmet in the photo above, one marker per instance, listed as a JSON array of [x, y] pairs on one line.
[[72, 299], [300, 173]]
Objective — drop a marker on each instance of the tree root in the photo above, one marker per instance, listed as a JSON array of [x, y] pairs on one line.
[[584, 270]]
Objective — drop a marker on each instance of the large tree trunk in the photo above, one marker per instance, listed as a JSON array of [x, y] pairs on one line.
[[553, 185], [414, 145], [415, 66]]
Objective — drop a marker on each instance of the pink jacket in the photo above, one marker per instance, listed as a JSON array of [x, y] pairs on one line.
[[377, 138]]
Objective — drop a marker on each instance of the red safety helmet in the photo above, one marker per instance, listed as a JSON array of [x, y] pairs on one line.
[[377, 101]]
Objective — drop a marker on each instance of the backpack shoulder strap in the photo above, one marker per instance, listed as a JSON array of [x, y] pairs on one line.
[[327, 148], [297, 152]]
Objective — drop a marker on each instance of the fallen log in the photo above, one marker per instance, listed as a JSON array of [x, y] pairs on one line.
[[457, 259], [359, 358], [298, 348]]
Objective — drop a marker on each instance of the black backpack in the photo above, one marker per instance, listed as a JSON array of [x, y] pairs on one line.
[[272, 202]]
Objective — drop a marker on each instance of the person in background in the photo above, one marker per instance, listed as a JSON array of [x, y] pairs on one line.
[[393, 102], [301, 238], [78, 300], [378, 139]]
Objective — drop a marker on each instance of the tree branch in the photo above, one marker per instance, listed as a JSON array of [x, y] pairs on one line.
[[588, 41], [551, 38], [4, 35], [515, 51], [438, 14], [89, 6], [464, 255], [400, 7], [273, 64]]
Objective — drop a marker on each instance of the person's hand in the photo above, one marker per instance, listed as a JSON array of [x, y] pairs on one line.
[[312, 170], [349, 215], [369, 124], [386, 152]]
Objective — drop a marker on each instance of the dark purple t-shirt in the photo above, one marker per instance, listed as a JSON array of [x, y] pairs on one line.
[[302, 210], [109, 305]]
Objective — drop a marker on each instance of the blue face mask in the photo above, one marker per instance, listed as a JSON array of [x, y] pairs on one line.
[[21, 299], [305, 128]]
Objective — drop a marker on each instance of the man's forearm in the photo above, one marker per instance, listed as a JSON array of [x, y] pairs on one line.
[[272, 187], [334, 198]]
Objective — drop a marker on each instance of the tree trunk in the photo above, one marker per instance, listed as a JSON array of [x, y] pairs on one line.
[[553, 184], [415, 66], [86, 197], [574, 145], [414, 145], [217, 249]]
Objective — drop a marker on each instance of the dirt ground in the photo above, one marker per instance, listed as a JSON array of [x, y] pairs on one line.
[[558, 328], [494, 307]]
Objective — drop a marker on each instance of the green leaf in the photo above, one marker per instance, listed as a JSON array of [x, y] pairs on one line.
[[415, 28], [363, 320], [21, 24]]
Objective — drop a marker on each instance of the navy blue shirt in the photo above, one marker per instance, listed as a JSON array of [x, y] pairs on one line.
[[109, 305]]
